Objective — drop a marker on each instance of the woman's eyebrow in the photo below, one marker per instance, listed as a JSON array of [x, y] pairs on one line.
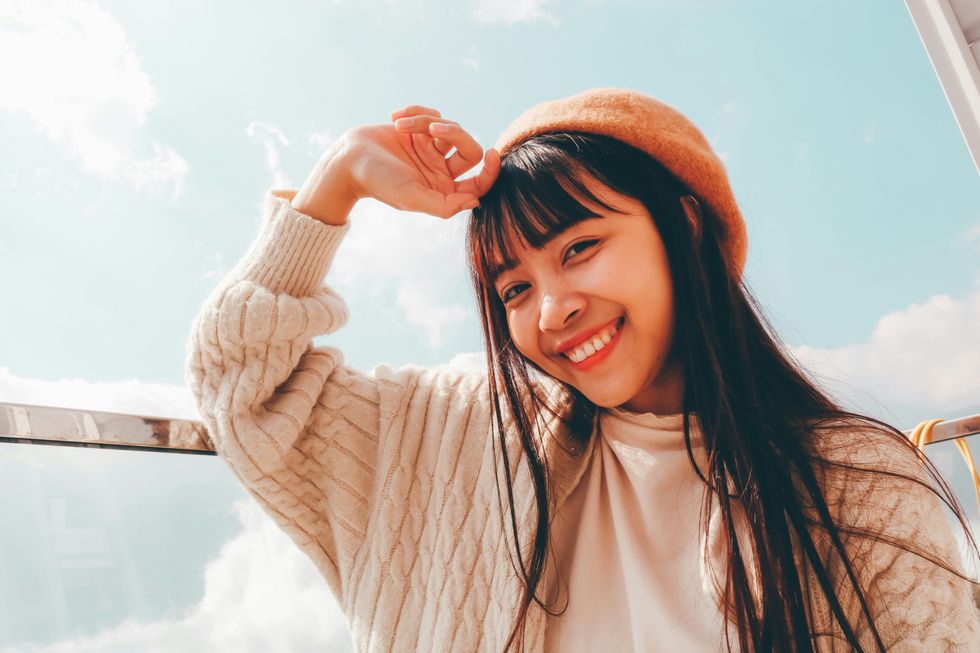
[[498, 269]]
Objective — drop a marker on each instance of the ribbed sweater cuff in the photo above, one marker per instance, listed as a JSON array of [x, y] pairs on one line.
[[293, 251]]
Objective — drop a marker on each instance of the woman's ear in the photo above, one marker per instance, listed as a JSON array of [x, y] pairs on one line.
[[692, 209]]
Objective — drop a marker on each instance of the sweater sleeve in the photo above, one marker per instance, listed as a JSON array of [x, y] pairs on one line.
[[299, 429], [917, 604]]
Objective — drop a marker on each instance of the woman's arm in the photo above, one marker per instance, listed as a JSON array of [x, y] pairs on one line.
[[307, 435], [917, 605], [298, 429]]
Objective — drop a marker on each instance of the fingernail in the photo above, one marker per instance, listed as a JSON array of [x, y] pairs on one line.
[[439, 127], [405, 122]]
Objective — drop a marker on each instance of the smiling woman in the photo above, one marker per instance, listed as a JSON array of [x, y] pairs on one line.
[[578, 284], [674, 480], [695, 412]]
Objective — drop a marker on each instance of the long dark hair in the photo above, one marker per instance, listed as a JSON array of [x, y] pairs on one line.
[[758, 412]]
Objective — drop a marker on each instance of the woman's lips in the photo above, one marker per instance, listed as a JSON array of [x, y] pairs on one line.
[[601, 355]]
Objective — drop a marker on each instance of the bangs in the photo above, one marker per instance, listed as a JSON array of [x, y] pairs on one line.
[[530, 205]]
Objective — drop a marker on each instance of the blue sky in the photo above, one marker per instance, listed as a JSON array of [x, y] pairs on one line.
[[857, 188], [142, 137]]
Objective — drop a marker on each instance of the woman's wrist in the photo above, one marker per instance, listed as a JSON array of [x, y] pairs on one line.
[[326, 195]]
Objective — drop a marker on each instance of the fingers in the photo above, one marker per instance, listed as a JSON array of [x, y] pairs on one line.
[[442, 146], [414, 109], [426, 149], [468, 151], [419, 124], [433, 137]]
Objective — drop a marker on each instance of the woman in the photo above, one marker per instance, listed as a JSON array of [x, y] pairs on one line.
[[672, 479]]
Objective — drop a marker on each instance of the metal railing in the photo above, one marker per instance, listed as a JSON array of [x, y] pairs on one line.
[[73, 427]]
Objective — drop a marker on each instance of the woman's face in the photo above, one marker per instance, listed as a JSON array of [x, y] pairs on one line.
[[604, 281]]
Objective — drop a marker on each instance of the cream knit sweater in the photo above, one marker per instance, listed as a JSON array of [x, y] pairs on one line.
[[386, 480]]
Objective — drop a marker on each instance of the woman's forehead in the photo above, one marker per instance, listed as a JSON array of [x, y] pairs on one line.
[[527, 220]]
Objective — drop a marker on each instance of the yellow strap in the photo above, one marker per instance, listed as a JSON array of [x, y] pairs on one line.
[[922, 435]]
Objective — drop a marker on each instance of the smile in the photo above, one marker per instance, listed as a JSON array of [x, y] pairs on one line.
[[597, 348]]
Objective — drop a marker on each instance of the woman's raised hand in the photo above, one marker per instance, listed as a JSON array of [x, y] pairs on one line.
[[404, 163]]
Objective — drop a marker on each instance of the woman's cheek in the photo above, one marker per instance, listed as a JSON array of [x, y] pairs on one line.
[[610, 281], [523, 336]]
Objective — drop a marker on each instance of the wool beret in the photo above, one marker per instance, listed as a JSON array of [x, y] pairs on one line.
[[649, 125]]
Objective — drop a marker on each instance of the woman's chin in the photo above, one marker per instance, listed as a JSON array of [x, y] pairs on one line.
[[607, 397]]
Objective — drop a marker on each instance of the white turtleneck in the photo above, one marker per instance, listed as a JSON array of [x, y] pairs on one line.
[[627, 544]]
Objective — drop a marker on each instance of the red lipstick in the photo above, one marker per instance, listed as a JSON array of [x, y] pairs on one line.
[[601, 355], [581, 337]]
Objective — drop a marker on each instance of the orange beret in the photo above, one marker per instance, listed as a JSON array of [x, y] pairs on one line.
[[652, 126]]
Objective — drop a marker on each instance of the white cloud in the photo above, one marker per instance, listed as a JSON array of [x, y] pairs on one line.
[[215, 267], [869, 132], [417, 258], [472, 59], [148, 174], [274, 141], [419, 255], [471, 361], [972, 234], [416, 300], [731, 115], [924, 357], [319, 143], [260, 594], [508, 12], [802, 151], [70, 68], [730, 110], [272, 138], [131, 396]]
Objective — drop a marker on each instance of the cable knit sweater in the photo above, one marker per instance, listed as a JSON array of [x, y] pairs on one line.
[[387, 480]]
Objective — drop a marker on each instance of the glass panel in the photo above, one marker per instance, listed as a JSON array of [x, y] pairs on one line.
[[112, 551]]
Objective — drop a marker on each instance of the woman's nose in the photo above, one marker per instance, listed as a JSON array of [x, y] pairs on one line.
[[557, 308]]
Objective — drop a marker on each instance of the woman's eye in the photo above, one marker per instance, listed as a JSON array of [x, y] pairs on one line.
[[572, 250], [578, 247], [507, 296]]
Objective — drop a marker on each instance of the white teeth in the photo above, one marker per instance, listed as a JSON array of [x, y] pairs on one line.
[[582, 352]]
